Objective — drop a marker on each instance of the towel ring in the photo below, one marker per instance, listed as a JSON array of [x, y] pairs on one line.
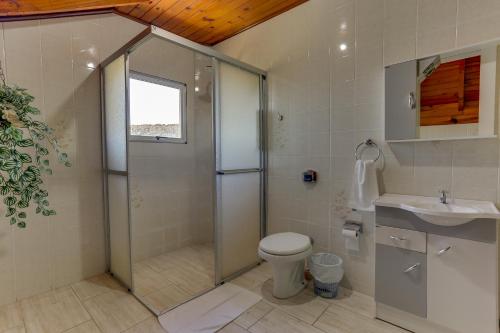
[[369, 143]]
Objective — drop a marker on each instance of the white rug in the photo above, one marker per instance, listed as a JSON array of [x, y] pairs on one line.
[[209, 312]]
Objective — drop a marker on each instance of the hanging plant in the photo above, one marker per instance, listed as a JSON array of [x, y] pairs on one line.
[[24, 155]]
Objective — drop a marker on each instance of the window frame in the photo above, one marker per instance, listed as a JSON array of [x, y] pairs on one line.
[[183, 105]]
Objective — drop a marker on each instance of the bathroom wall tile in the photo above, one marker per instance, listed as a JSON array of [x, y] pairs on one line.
[[370, 15], [44, 57], [32, 257], [376, 33], [7, 263], [437, 24], [400, 24], [344, 31], [477, 21], [23, 55]]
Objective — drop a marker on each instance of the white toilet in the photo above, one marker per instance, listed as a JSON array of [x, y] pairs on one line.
[[286, 252]]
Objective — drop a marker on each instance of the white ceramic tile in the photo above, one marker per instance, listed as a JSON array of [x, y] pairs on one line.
[[400, 29], [49, 58]]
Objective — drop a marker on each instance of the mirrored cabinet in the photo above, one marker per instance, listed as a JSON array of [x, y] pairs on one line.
[[443, 97]]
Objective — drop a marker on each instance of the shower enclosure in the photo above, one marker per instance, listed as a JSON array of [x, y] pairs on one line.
[[184, 161]]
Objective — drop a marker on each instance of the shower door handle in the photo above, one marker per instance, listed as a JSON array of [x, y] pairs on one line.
[[238, 171]]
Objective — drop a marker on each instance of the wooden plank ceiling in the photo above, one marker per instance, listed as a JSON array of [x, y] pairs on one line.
[[208, 21], [32, 7], [204, 21]]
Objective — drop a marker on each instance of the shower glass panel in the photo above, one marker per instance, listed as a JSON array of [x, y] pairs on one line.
[[171, 180], [184, 167], [239, 169], [114, 83]]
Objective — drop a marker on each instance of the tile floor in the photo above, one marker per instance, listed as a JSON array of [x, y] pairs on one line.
[[167, 280], [101, 305]]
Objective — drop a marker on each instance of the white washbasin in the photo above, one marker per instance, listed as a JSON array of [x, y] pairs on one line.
[[430, 209]]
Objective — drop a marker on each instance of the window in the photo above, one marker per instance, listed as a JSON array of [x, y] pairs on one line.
[[157, 109]]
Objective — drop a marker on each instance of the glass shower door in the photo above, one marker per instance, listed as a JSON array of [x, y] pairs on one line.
[[239, 160], [114, 79]]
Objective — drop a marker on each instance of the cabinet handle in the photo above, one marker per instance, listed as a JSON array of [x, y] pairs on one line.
[[412, 268], [442, 251], [412, 101], [396, 238]]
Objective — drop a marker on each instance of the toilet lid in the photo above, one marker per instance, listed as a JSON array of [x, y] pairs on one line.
[[285, 243]]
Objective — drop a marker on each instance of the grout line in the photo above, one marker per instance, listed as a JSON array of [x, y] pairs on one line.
[[322, 313], [83, 322]]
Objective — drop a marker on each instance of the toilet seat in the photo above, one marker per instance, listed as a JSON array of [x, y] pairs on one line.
[[285, 244], [286, 253]]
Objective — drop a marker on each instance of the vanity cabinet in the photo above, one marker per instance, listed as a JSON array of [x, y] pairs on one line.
[[401, 279], [453, 289], [461, 284]]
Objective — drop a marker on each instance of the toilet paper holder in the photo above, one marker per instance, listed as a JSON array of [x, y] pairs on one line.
[[358, 227]]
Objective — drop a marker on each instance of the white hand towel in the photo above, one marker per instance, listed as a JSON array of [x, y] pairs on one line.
[[364, 186]]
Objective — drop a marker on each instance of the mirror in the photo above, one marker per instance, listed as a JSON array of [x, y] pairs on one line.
[[446, 96]]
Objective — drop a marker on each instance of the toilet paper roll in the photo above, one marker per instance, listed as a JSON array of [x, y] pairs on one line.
[[351, 239]]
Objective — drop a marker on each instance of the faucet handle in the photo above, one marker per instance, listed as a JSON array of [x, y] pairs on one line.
[[443, 191]]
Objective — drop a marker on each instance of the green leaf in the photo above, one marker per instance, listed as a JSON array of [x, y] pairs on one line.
[[9, 201], [15, 174], [25, 143], [10, 211], [43, 151], [4, 152], [28, 175], [4, 190], [25, 158], [46, 162], [7, 165], [46, 212], [21, 215], [38, 210], [34, 169], [21, 225], [67, 164], [23, 204], [13, 220]]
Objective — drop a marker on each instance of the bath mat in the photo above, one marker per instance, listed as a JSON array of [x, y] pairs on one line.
[[209, 312]]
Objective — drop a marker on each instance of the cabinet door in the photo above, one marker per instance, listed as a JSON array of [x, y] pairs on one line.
[[462, 286], [400, 279], [401, 101]]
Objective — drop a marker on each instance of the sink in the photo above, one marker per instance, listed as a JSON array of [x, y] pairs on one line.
[[430, 209]]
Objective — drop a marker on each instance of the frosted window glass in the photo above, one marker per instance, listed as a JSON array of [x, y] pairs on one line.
[[116, 114], [239, 118], [119, 228], [239, 213]]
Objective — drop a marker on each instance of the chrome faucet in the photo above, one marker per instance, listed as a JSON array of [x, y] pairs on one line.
[[443, 199]]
